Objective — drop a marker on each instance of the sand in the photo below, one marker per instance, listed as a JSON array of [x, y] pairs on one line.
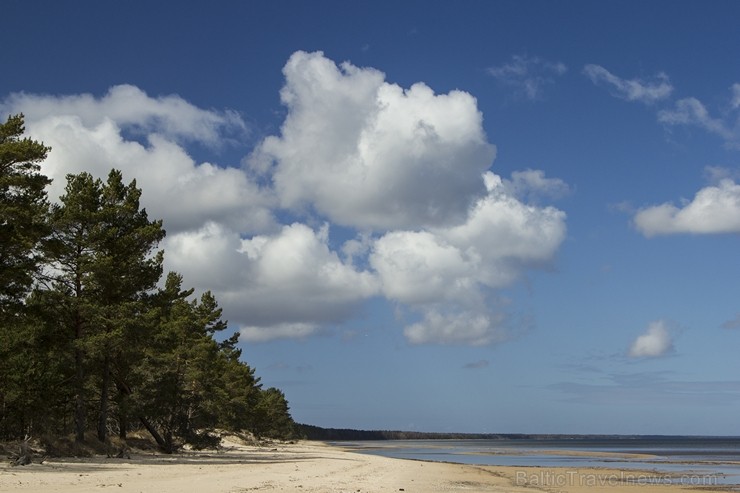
[[303, 467]]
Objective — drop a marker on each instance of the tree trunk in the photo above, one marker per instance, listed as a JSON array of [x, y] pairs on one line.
[[124, 391], [80, 407], [104, 393], [80, 411], [164, 445], [122, 425]]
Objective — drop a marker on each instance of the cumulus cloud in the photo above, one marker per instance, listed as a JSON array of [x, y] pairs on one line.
[[714, 209], [370, 154], [647, 92], [507, 233], [444, 272], [469, 328], [287, 284], [529, 75], [209, 257], [279, 282], [501, 238], [403, 170], [88, 134], [655, 342], [420, 267]]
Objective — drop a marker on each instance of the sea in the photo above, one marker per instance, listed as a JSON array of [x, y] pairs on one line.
[[701, 461]]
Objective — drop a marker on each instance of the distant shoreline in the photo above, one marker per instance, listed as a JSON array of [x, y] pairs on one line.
[[318, 433]]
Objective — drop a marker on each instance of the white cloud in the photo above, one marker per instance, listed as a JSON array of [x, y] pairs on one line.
[[735, 96], [715, 174], [501, 239], [282, 285], [208, 257], [404, 169], [85, 137], [714, 209], [631, 89], [686, 111], [296, 278], [528, 75], [273, 286], [421, 267], [129, 106], [453, 267], [468, 328], [283, 282], [533, 184], [690, 111], [370, 154], [298, 330], [655, 342], [508, 234]]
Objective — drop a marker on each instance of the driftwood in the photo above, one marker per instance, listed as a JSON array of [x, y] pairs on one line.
[[123, 453], [24, 457]]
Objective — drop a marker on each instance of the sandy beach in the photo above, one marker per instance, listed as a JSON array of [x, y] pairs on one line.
[[304, 467]]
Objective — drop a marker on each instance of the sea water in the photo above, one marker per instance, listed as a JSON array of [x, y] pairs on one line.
[[696, 460]]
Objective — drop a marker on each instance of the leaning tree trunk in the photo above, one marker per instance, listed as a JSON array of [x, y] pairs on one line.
[[165, 445]]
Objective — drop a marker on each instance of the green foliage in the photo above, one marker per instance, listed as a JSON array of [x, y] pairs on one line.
[[35, 376], [272, 417], [187, 384], [23, 207], [86, 334], [101, 266], [173, 375]]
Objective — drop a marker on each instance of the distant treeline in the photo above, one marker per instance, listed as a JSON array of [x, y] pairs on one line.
[[310, 432]]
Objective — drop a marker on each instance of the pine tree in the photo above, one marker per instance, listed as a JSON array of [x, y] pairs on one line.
[[127, 268], [101, 264], [95, 340], [272, 415], [23, 209], [181, 388], [70, 295]]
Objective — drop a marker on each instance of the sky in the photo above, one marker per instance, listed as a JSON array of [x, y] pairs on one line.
[[480, 216]]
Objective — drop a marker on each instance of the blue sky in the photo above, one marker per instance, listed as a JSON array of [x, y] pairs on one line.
[[442, 216]]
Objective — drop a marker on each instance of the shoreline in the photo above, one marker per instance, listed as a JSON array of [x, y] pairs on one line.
[[313, 467]]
